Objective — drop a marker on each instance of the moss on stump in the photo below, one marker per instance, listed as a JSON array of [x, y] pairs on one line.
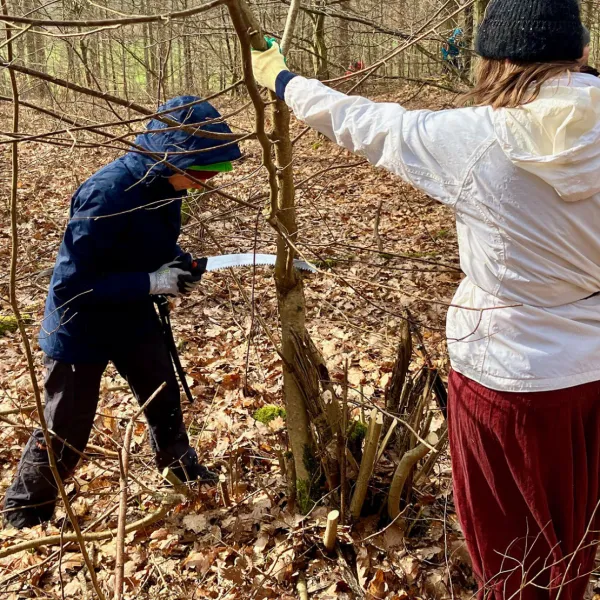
[[269, 413]]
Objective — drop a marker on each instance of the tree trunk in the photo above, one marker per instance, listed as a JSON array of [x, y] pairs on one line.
[[105, 50], [36, 51], [320, 61], [232, 62], [345, 57], [83, 52], [148, 54], [292, 311], [187, 60], [153, 46], [302, 364], [124, 66], [113, 69]]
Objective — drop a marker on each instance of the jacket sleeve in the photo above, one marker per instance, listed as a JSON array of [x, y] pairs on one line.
[[89, 241], [425, 148]]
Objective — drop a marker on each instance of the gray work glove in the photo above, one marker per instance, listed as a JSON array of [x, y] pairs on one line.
[[171, 280]]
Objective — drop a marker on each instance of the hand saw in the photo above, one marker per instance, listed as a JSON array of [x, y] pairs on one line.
[[227, 261]]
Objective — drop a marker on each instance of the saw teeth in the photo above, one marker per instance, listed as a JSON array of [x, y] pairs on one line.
[[258, 264], [301, 267], [236, 261]]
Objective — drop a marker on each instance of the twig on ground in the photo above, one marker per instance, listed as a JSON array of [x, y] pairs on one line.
[[54, 540], [376, 236], [17, 411]]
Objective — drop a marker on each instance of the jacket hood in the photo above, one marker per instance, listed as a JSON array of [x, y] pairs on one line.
[[557, 137], [179, 147]]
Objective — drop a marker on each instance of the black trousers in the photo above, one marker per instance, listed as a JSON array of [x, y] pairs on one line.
[[71, 393]]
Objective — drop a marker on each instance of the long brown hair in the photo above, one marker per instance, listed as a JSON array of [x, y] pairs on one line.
[[506, 84]]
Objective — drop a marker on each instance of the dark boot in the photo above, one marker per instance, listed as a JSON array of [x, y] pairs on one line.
[[31, 498], [182, 459]]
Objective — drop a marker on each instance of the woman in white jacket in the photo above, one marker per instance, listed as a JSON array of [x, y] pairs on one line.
[[521, 171]]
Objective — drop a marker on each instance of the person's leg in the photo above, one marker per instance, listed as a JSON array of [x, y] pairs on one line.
[[493, 514], [525, 485], [146, 365], [570, 447], [71, 398]]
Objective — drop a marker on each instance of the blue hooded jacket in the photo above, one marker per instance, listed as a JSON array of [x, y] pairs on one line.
[[124, 224]]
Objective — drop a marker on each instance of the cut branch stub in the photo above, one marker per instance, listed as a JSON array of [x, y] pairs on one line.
[[330, 536], [393, 392], [367, 463]]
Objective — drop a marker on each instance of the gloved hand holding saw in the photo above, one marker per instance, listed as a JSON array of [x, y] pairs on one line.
[[179, 277]]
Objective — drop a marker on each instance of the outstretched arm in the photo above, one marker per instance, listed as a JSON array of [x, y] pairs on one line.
[[430, 150]]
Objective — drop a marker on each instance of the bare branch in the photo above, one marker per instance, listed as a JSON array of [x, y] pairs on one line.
[[290, 25], [133, 20]]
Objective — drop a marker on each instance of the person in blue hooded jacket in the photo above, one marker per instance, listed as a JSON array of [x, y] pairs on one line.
[[119, 251], [452, 49]]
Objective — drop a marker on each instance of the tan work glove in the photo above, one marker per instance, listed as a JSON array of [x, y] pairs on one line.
[[267, 65]]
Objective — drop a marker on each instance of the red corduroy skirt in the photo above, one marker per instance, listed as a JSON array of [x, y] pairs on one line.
[[526, 487]]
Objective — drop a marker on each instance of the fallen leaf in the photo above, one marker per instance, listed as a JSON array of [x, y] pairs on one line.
[[378, 587], [73, 589], [201, 561], [196, 523], [393, 537], [363, 565], [160, 534], [410, 566], [429, 552], [71, 561]]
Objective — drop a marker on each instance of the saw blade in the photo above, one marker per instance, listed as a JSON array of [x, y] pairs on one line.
[[228, 261]]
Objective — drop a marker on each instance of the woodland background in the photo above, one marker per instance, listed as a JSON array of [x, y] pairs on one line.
[[82, 77]]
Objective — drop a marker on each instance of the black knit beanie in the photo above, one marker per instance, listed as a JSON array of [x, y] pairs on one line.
[[531, 31]]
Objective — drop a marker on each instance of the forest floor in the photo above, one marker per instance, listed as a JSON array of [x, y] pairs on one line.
[[246, 543]]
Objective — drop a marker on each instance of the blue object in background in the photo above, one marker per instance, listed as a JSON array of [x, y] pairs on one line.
[[452, 48]]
